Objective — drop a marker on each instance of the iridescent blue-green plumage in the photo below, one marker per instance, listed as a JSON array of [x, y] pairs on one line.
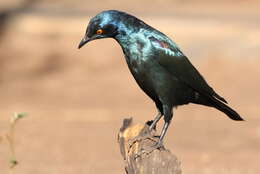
[[162, 71]]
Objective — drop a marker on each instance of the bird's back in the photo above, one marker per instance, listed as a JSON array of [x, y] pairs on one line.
[[145, 48]]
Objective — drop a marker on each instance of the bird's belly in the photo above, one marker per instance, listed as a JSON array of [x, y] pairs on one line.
[[144, 81], [158, 84]]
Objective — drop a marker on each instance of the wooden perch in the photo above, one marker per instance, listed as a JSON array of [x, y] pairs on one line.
[[136, 141]]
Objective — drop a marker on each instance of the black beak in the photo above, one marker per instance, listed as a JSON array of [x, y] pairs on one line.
[[84, 41]]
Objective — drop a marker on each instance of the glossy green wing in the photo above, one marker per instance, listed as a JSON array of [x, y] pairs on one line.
[[177, 64]]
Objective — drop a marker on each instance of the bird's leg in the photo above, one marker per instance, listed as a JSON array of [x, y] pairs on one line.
[[167, 118], [156, 119], [164, 130], [157, 145], [140, 138], [159, 107]]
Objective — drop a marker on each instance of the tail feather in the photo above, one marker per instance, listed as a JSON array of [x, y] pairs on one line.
[[220, 98], [226, 109]]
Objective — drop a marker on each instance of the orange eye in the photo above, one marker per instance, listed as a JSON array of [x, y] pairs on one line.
[[99, 31]]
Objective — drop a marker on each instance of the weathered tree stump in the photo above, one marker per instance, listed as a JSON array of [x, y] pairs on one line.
[[136, 146]]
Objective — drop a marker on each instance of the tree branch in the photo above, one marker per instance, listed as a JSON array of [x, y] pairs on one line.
[[136, 146]]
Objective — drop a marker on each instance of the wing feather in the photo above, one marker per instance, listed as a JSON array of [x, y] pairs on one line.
[[177, 64]]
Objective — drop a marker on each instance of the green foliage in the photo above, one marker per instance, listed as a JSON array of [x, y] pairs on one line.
[[10, 137]]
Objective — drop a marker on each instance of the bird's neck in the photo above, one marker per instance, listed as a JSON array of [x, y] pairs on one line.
[[127, 35], [135, 45]]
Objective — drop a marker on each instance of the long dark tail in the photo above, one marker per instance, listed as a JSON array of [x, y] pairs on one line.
[[226, 109]]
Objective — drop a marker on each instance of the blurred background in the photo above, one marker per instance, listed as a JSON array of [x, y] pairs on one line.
[[76, 99]]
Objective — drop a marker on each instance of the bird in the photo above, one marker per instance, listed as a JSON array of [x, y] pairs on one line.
[[158, 66]]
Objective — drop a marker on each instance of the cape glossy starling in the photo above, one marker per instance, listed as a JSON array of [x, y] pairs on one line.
[[161, 70]]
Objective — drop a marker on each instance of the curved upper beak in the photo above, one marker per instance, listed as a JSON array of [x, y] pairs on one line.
[[84, 41]]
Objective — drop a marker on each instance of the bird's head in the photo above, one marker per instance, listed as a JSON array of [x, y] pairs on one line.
[[103, 25], [112, 24]]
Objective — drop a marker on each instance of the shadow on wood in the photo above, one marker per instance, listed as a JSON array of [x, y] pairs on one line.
[[136, 141]]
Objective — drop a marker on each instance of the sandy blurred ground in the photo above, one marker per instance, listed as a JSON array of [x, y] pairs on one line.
[[77, 99]]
